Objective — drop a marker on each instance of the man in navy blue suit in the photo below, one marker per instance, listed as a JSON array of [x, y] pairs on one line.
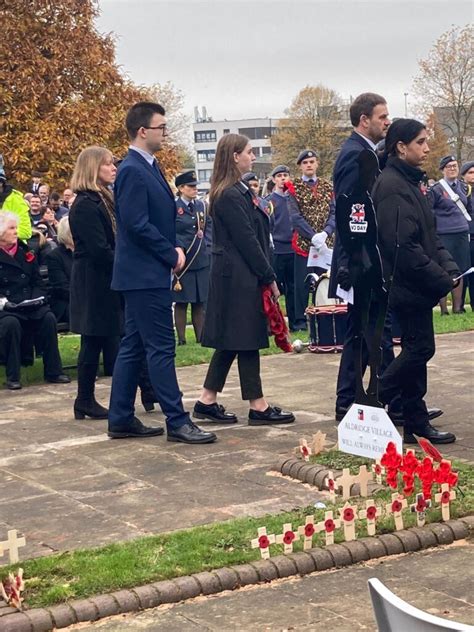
[[146, 256]]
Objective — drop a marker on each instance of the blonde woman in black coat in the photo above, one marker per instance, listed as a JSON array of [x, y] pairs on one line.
[[235, 325]]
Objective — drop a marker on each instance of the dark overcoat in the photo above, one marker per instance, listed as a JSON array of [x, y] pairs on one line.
[[423, 269], [59, 264], [240, 266], [95, 309]]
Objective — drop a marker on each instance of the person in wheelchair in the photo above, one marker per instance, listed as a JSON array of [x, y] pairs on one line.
[[26, 321]]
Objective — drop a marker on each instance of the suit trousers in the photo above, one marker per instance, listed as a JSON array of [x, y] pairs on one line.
[[149, 330], [285, 272], [248, 363], [407, 374]]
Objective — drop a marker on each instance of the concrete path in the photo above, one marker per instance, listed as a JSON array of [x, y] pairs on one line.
[[332, 601], [65, 485]]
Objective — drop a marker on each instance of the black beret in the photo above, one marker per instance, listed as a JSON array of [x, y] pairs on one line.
[[447, 159], [188, 177], [306, 153], [250, 175], [280, 169], [466, 166]]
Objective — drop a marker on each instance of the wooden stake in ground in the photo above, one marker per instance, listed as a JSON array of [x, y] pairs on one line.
[[307, 532], [370, 514], [346, 481], [420, 506], [328, 525], [445, 497], [287, 538], [379, 470], [305, 450], [318, 442], [348, 515], [263, 542], [396, 508], [331, 485], [363, 478], [12, 544]]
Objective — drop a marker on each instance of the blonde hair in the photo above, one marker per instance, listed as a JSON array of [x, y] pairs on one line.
[[86, 170], [64, 232]]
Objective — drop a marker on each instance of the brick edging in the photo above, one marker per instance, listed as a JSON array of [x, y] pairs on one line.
[[315, 474], [232, 577]]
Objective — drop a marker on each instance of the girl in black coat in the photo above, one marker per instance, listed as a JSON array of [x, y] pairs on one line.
[[235, 324], [419, 269]]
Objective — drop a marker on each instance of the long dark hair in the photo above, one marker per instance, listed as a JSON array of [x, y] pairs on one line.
[[402, 130], [225, 172]]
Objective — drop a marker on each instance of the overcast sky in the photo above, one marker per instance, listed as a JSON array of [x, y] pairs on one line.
[[244, 59]]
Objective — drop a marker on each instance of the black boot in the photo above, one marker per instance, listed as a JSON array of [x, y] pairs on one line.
[[147, 394], [85, 404]]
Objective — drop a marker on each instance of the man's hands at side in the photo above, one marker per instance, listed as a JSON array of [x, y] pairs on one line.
[[181, 261]]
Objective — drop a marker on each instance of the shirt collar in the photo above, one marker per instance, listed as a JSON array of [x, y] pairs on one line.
[[144, 154], [367, 140], [306, 178]]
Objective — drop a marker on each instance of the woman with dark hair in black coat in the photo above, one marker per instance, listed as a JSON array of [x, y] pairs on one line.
[[418, 268]]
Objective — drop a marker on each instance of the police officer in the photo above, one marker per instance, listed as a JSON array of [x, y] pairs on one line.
[[452, 209], [312, 214], [191, 284]]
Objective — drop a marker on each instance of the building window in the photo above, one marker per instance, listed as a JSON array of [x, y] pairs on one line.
[[266, 150], [204, 175], [227, 131], [257, 132], [206, 155], [205, 136]]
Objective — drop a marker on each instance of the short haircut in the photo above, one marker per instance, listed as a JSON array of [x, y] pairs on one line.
[[35, 195], [55, 196], [140, 115], [364, 104]]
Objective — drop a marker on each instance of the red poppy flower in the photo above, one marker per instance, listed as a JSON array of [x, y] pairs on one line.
[[263, 542], [304, 450], [378, 469], [396, 506], [30, 256], [329, 525], [348, 514], [445, 497], [421, 505], [408, 491], [371, 512], [391, 447], [452, 479], [331, 484], [288, 537], [309, 530]]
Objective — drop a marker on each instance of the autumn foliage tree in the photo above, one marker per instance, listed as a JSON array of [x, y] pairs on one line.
[[439, 146], [313, 121], [61, 89]]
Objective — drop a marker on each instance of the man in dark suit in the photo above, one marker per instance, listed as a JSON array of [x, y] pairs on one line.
[[146, 255]]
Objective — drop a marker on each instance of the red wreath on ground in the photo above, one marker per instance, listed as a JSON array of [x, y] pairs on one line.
[[276, 320]]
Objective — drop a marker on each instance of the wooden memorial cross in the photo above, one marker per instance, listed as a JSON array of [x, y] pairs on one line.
[[379, 470], [328, 525], [307, 532], [420, 506], [318, 442], [263, 542], [363, 478], [444, 497], [370, 513], [12, 544], [346, 481], [305, 450], [287, 538], [396, 507], [331, 485], [348, 515]]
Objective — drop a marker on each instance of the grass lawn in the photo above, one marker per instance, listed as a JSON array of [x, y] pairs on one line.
[[193, 353], [70, 575]]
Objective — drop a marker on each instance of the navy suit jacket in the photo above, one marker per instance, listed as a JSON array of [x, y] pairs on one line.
[[345, 176], [146, 227]]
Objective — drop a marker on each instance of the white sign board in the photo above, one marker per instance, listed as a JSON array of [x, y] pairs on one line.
[[366, 430]]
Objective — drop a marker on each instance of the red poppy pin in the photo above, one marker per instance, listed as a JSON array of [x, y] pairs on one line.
[[309, 530], [288, 537], [263, 542], [348, 514], [371, 512], [329, 525], [445, 497], [396, 506], [30, 256], [180, 211]]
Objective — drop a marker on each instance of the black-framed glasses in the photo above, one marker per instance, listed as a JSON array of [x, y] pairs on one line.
[[163, 126]]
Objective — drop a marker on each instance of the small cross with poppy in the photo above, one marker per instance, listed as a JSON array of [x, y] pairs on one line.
[[287, 538], [420, 506], [370, 513], [348, 515], [305, 450], [307, 532], [328, 525], [396, 507], [262, 542], [331, 484], [379, 470], [445, 496]]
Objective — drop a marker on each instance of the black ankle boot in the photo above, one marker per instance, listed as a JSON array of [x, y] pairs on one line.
[[89, 408]]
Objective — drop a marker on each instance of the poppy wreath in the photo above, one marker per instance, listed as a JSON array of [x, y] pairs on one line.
[[276, 320]]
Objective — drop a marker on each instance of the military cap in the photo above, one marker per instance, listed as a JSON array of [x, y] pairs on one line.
[[306, 153], [250, 175], [466, 166], [188, 177], [280, 169], [446, 160]]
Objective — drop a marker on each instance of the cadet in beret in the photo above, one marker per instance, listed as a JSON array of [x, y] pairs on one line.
[[467, 173], [312, 214], [452, 208], [191, 284]]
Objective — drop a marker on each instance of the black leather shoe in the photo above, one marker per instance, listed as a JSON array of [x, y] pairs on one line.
[[89, 408], [190, 433], [13, 386], [58, 379], [213, 412], [341, 412], [135, 429], [430, 433], [273, 415]]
